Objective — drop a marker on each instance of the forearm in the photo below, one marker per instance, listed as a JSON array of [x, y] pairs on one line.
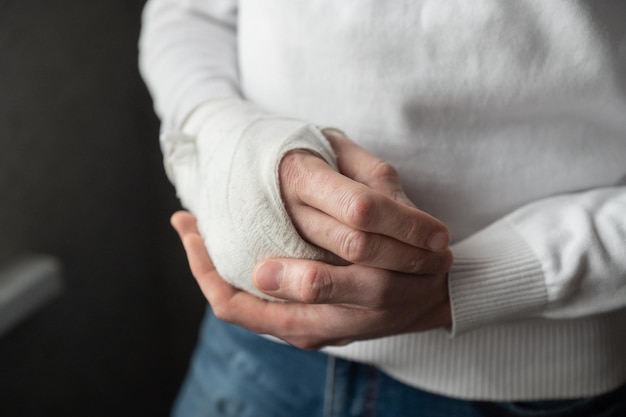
[[220, 151], [188, 55], [562, 257]]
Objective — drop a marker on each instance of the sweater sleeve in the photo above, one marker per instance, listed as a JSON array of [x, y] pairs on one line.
[[220, 151], [559, 258]]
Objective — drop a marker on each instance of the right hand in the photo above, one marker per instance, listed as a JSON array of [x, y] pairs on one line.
[[330, 305], [361, 213]]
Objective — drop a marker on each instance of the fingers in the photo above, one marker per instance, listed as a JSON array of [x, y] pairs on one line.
[[359, 302], [370, 249], [312, 282], [373, 293], [336, 305], [215, 290], [184, 223], [304, 326], [307, 180]]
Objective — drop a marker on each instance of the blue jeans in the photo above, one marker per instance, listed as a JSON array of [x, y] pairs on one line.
[[235, 373]]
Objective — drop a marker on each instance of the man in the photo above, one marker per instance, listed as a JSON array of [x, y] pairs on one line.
[[481, 108]]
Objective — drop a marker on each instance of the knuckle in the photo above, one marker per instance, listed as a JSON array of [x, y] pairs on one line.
[[383, 169], [291, 166], [416, 263], [356, 246], [287, 166], [287, 326], [294, 158], [222, 313], [314, 286], [360, 210]]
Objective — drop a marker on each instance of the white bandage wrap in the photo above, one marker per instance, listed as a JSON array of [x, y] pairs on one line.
[[234, 150]]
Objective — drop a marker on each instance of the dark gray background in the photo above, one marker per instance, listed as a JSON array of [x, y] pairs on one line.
[[81, 179]]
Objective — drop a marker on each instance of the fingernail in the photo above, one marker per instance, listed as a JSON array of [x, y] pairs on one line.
[[332, 131], [402, 198], [269, 276], [438, 241]]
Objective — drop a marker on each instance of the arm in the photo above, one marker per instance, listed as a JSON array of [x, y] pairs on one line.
[[223, 156], [510, 270], [559, 258], [187, 55], [341, 304], [219, 150], [563, 257]]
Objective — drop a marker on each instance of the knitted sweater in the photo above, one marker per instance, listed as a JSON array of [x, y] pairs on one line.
[[506, 120]]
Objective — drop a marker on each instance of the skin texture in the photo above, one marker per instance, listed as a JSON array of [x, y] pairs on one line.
[[361, 212], [392, 259]]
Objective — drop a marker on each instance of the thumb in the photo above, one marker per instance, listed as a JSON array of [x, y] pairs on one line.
[[302, 281]]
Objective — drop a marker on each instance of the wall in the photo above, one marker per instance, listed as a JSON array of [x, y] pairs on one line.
[[81, 179]]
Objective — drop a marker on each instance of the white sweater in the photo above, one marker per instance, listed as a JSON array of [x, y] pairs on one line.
[[506, 120]]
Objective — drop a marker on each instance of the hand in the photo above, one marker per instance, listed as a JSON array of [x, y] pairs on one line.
[[361, 213], [333, 305]]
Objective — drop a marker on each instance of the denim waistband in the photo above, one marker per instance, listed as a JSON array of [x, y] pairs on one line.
[[235, 373]]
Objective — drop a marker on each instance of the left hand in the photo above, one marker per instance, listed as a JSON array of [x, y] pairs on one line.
[[331, 305], [360, 212]]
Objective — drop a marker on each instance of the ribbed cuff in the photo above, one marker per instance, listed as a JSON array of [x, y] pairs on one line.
[[496, 277]]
